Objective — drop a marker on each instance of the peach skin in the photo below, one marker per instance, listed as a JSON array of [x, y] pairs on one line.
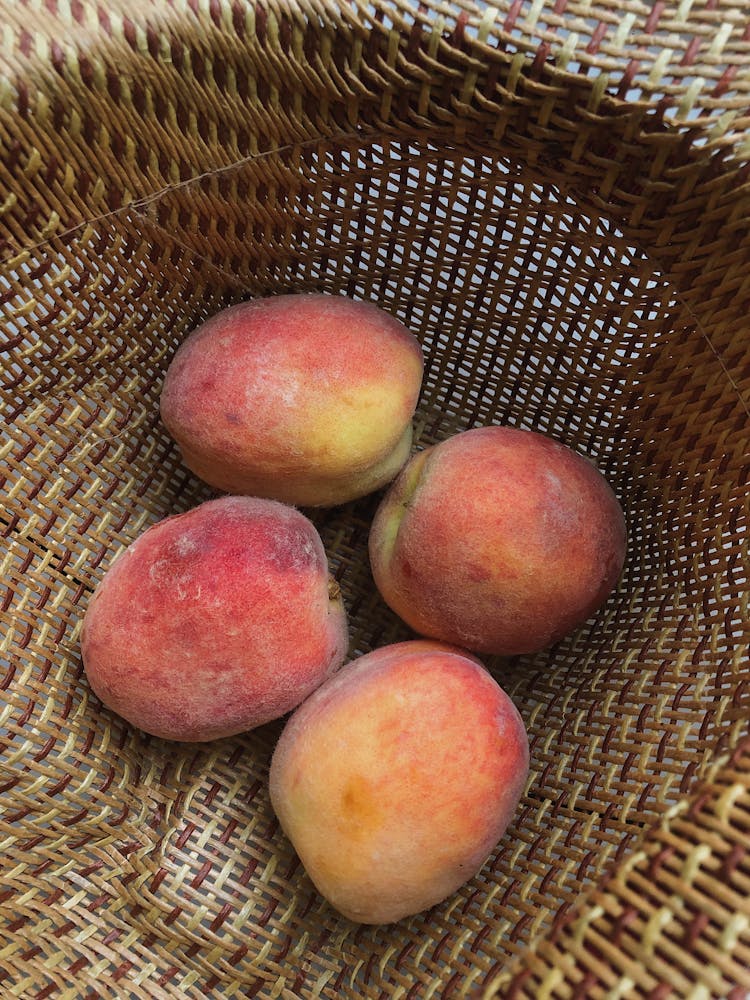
[[396, 778], [497, 539], [215, 621], [303, 398]]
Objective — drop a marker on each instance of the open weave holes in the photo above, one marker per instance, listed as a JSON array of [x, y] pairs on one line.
[[555, 198]]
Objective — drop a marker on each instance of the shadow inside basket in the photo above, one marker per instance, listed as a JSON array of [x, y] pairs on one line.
[[532, 311]]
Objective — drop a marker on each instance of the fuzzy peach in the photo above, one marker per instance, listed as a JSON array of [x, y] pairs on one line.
[[215, 621], [303, 398], [497, 539], [396, 778]]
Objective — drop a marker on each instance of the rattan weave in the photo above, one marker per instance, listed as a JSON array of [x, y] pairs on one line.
[[555, 197]]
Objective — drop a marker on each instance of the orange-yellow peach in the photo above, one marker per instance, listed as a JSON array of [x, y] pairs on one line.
[[395, 780], [215, 621], [497, 539], [304, 398]]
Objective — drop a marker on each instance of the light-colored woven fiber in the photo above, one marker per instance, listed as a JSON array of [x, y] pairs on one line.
[[555, 197]]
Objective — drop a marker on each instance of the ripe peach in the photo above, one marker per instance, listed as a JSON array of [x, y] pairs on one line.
[[303, 398], [397, 777], [497, 539], [215, 621]]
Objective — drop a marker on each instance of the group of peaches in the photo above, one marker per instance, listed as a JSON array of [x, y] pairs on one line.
[[396, 776]]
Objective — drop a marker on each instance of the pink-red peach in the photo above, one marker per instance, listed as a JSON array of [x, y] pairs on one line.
[[303, 398], [215, 621], [497, 539], [395, 780]]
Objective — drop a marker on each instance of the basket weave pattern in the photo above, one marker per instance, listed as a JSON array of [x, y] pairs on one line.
[[555, 198]]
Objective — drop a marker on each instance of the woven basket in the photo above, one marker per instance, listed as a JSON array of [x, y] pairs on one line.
[[556, 199]]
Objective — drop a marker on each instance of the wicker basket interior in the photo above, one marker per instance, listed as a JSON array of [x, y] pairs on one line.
[[572, 261]]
